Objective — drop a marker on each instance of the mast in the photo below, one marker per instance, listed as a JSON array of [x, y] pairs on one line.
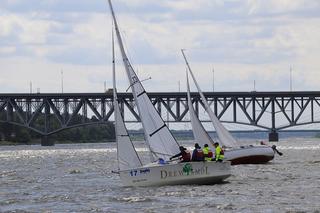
[[124, 55], [213, 79], [161, 142], [115, 97], [126, 154]]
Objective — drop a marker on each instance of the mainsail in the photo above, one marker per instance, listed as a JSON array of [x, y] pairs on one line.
[[126, 153], [199, 133], [223, 134], [161, 142]]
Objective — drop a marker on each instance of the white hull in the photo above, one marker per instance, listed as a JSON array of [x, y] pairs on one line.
[[176, 174], [249, 155]]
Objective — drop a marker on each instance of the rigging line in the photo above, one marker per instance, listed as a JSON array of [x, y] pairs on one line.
[[123, 36]]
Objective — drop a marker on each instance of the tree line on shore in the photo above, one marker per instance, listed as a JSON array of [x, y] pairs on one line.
[[13, 134]]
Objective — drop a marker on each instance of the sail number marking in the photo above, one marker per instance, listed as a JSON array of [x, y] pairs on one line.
[[136, 172]]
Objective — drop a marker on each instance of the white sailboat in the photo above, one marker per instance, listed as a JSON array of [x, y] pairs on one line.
[[234, 152], [161, 143]]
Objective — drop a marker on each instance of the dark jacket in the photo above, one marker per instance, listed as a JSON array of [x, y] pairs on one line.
[[185, 156], [197, 155]]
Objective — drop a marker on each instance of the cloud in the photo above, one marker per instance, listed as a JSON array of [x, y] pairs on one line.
[[21, 6], [282, 6], [244, 40]]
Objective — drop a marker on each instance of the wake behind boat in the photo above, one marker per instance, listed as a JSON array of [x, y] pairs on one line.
[[161, 143], [234, 152]]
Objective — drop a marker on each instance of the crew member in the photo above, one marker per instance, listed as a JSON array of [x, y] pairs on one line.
[[218, 152], [197, 154], [207, 153], [184, 153]]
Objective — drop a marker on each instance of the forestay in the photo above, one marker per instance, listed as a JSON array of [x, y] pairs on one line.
[[126, 153], [161, 142], [200, 134], [223, 134]]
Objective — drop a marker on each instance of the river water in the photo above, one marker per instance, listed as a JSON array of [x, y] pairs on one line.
[[78, 178]]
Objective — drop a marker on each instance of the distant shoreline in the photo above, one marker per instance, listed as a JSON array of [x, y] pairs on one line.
[[250, 134], [187, 135], [37, 142]]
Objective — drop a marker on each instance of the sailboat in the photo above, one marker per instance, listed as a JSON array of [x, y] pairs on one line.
[[234, 152], [161, 143]]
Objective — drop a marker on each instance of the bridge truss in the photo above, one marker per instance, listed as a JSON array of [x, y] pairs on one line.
[[50, 113]]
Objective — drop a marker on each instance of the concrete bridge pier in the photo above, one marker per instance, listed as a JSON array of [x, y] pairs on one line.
[[45, 141], [273, 136]]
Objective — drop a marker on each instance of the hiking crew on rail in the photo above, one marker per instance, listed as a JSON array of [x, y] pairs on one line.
[[199, 154]]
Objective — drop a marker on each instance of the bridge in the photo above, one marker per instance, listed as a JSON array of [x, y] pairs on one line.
[[271, 111]]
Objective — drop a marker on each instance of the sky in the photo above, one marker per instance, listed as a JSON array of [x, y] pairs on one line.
[[250, 44]]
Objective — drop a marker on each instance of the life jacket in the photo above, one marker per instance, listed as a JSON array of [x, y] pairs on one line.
[[207, 154], [199, 155], [186, 156], [219, 153]]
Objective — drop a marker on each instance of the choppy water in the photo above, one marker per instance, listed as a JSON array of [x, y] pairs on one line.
[[78, 178]]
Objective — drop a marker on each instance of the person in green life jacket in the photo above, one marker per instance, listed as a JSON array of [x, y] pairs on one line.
[[219, 153], [207, 153]]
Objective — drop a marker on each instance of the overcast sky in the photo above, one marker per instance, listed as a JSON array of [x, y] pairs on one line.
[[243, 40]]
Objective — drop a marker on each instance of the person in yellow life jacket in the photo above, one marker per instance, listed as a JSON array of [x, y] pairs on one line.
[[207, 153], [218, 152]]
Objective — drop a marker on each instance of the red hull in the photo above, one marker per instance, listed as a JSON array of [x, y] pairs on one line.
[[257, 159]]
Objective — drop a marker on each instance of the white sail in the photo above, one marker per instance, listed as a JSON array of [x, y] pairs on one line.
[[161, 142], [223, 134], [199, 133], [126, 153]]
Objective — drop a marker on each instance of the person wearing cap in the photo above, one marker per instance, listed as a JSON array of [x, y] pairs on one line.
[[218, 152], [207, 153], [184, 153], [197, 154]]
